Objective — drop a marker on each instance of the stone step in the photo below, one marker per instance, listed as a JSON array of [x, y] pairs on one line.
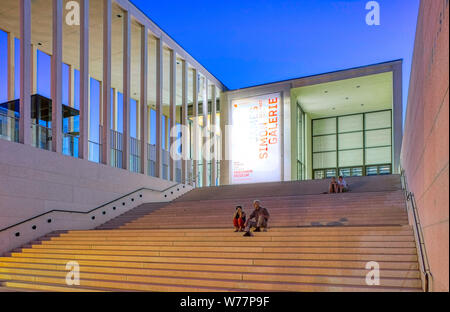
[[46, 282], [273, 230], [130, 245], [315, 242], [205, 256], [270, 250], [167, 268], [45, 287], [211, 279], [187, 263], [258, 237], [277, 215], [293, 223], [291, 232]]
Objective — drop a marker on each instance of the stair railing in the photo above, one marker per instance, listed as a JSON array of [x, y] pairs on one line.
[[92, 210], [413, 215]]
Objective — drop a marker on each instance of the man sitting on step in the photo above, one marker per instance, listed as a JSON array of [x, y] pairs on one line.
[[342, 185], [257, 219]]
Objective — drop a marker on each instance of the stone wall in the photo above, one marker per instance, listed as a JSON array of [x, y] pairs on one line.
[[426, 134], [34, 181]]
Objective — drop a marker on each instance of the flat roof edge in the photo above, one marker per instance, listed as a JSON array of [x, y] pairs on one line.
[[323, 74]]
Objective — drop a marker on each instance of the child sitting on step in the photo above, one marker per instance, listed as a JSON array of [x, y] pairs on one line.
[[239, 219]]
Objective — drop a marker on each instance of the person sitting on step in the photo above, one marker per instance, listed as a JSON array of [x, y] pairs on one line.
[[239, 219], [257, 219], [342, 185], [333, 188]]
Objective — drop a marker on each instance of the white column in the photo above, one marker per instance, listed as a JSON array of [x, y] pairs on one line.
[[159, 91], [83, 151], [143, 102], [106, 84], [57, 77], [126, 89], [173, 113], [184, 122], [195, 128], [397, 113], [25, 69], [213, 135], [205, 149]]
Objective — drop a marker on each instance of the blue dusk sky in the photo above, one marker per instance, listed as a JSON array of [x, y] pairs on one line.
[[245, 43]]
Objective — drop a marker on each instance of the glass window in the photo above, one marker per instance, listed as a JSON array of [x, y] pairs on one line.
[[43, 74], [357, 172], [370, 171], [324, 160], [329, 173], [324, 143], [133, 118], [16, 68], [351, 140], [135, 78], [345, 172], [65, 84], [94, 119], [378, 120], [42, 39], [351, 158], [163, 132], [350, 123], [319, 174], [375, 138], [379, 155], [120, 112], [362, 139], [96, 74], [384, 169], [3, 66], [324, 126]]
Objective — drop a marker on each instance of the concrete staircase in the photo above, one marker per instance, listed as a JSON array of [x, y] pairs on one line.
[[316, 242]]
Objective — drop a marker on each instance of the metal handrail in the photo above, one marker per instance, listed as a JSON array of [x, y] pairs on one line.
[[420, 241], [90, 211]]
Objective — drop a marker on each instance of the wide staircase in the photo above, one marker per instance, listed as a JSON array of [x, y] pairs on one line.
[[315, 242]]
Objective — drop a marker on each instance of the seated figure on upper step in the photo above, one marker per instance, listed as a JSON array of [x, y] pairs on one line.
[[259, 218]]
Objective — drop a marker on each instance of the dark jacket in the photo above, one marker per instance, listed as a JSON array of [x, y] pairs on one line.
[[261, 211]]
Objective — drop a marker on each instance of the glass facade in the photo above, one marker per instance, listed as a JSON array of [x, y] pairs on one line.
[[349, 145], [352, 145]]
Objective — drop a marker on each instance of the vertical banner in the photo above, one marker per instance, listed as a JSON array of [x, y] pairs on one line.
[[255, 139]]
